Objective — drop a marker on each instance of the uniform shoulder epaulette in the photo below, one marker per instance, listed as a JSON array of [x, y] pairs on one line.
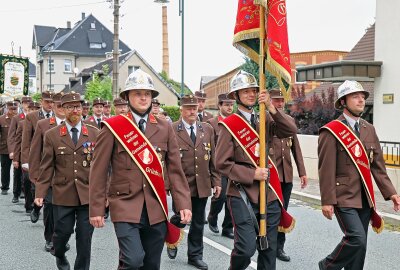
[[89, 125]]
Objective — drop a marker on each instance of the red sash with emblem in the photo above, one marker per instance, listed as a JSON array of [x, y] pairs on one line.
[[248, 139], [145, 157], [355, 149]]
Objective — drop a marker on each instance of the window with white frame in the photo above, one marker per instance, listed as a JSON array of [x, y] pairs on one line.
[[50, 65], [67, 65]]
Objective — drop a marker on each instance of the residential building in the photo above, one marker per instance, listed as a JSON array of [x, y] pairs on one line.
[[62, 52]]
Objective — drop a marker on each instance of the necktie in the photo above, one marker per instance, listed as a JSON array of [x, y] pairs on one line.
[[357, 129], [74, 135], [141, 125], [192, 135], [47, 115], [253, 121], [200, 117], [98, 122]]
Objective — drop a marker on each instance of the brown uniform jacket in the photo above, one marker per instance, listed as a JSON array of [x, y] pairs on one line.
[[233, 162], [62, 166], [5, 122], [206, 116], [214, 123], [340, 182], [281, 149], [17, 141], [12, 132], [198, 160], [35, 152], [129, 189], [30, 122]]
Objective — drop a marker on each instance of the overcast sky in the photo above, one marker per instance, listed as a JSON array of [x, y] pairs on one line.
[[312, 24]]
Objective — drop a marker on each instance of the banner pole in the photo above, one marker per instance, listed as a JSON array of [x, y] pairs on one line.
[[263, 228]]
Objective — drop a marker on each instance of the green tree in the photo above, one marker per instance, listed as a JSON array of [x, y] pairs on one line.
[[175, 85], [173, 112], [36, 96], [252, 67], [100, 86]]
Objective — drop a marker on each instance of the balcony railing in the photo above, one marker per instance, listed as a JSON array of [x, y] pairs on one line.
[[391, 153]]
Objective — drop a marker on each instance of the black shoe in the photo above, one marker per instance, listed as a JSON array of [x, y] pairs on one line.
[[22, 196], [28, 211], [106, 214], [62, 263], [15, 199], [4, 192], [227, 234], [67, 247], [199, 264], [281, 255], [213, 228], [206, 221], [34, 216], [321, 265], [48, 246], [172, 252]]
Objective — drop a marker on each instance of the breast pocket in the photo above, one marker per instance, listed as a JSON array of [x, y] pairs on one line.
[[62, 157], [124, 158], [343, 156], [120, 189], [342, 187]]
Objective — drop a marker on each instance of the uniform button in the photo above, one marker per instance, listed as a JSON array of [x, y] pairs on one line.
[[76, 179], [196, 157], [75, 162], [338, 184], [117, 192], [283, 157], [283, 149], [62, 153], [74, 153], [282, 141], [197, 174], [197, 166], [144, 185], [75, 171]]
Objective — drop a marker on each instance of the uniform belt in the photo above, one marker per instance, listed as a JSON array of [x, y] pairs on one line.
[[247, 202]]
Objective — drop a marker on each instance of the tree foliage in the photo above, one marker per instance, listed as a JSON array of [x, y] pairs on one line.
[[175, 85], [100, 86], [37, 97], [313, 112], [252, 67], [173, 112]]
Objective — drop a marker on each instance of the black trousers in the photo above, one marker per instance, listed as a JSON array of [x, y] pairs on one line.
[[48, 217], [140, 244], [17, 182], [5, 171], [29, 191], [244, 245], [286, 192], [66, 218], [196, 230], [350, 252], [216, 207]]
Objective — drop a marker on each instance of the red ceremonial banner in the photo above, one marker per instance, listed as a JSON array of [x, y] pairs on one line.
[[246, 36]]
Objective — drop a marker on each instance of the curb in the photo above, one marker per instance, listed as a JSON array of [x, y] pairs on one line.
[[313, 199]]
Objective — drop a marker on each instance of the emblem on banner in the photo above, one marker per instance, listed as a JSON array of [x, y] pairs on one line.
[[146, 156], [356, 150]]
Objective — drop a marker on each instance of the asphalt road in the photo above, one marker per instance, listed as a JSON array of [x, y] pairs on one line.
[[21, 244]]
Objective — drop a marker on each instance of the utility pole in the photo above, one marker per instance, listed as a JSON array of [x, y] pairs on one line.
[[115, 89], [182, 14]]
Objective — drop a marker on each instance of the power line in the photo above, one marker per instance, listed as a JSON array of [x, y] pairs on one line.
[[50, 8]]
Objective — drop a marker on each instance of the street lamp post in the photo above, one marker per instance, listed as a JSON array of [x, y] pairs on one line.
[[182, 14]]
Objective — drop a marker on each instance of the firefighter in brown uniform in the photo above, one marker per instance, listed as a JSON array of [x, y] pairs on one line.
[[225, 106], [139, 220], [197, 149], [30, 122], [97, 117], [6, 160], [17, 183], [107, 109], [342, 185], [85, 110], [120, 106], [35, 156], [282, 147], [67, 155], [26, 183], [233, 162], [202, 115]]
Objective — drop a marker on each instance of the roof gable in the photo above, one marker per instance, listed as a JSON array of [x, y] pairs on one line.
[[365, 47]]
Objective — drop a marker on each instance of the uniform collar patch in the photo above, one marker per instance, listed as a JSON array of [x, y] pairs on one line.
[[152, 119], [52, 120], [63, 130], [85, 130]]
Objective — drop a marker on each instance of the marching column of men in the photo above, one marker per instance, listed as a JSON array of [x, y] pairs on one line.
[[138, 158]]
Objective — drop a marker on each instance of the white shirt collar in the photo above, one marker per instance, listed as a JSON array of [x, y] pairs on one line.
[[351, 121], [59, 120], [247, 115]]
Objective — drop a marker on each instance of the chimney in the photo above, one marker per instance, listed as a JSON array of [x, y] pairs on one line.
[[68, 25], [83, 15], [165, 50]]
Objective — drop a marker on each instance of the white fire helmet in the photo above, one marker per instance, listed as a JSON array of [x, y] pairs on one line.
[[241, 80], [138, 80], [348, 87]]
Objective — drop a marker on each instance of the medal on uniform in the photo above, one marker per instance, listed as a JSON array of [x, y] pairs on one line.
[[85, 150], [84, 163], [371, 155], [206, 157], [289, 142], [89, 157]]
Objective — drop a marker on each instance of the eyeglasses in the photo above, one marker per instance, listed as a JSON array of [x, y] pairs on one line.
[[72, 108]]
